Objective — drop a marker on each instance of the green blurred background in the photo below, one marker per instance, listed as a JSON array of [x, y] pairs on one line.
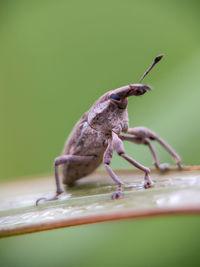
[[56, 59]]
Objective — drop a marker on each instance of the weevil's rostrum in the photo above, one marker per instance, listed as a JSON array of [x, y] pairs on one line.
[[100, 132]]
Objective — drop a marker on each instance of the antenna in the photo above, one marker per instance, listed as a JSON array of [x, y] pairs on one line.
[[156, 60]]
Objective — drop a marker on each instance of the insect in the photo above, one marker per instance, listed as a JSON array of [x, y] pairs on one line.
[[99, 133]]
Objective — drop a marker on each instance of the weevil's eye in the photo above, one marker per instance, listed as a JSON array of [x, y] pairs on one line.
[[115, 97]]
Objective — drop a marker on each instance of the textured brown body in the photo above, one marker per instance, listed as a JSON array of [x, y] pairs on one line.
[[90, 137], [83, 141]]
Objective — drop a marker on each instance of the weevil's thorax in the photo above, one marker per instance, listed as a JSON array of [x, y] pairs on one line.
[[106, 116]]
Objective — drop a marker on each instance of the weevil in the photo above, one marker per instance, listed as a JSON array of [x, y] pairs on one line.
[[100, 132]]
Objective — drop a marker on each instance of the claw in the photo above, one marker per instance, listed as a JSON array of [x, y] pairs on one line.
[[147, 182], [39, 199], [117, 195], [180, 166], [164, 167], [46, 199]]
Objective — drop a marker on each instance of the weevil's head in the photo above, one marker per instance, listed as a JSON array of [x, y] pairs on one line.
[[119, 96], [109, 113]]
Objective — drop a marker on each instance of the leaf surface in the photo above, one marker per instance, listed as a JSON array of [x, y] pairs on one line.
[[174, 192]]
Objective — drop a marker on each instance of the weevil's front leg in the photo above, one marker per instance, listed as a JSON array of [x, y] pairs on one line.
[[143, 132], [119, 147], [58, 161], [106, 160]]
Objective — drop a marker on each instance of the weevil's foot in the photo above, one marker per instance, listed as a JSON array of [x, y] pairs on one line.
[[40, 199], [117, 195], [180, 166], [148, 183], [44, 199], [164, 167]]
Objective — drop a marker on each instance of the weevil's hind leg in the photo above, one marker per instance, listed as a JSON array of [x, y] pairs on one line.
[[58, 161], [106, 160], [163, 166], [143, 132], [146, 141], [119, 147]]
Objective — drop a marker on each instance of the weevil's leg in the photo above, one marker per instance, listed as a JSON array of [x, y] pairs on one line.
[[144, 132], [106, 160], [119, 147], [154, 154], [58, 161], [163, 166], [146, 141]]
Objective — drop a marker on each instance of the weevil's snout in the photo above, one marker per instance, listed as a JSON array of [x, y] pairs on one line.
[[130, 90], [141, 89]]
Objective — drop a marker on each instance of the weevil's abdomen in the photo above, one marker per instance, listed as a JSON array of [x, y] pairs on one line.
[[77, 170], [83, 141]]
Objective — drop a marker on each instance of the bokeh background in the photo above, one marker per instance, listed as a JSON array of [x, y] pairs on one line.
[[56, 59]]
